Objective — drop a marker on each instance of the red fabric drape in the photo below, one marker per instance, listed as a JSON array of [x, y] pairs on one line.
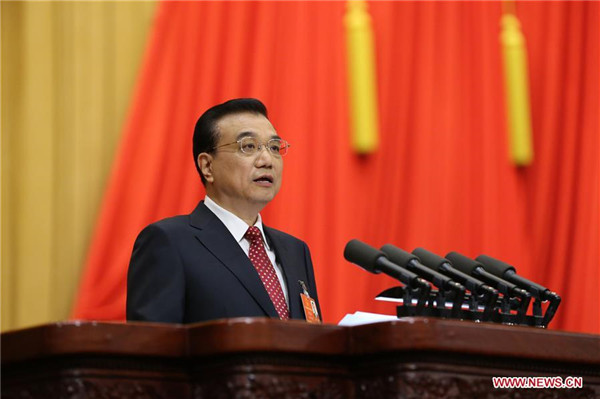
[[442, 177]]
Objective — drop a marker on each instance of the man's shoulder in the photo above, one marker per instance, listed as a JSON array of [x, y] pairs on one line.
[[170, 224], [179, 222], [176, 220]]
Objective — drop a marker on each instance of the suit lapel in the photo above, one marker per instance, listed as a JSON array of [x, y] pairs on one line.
[[287, 263], [215, 237]]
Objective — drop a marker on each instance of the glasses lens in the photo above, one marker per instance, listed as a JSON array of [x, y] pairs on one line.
[[248, 145], [275, 146], [278, 146]]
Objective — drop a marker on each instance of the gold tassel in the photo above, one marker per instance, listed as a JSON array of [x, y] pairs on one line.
[[362, 79], [516, 84]]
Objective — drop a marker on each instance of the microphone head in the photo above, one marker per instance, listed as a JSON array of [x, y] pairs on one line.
[[463, 263], [495, 266], [363, 255], [397, 255], [430, 259]]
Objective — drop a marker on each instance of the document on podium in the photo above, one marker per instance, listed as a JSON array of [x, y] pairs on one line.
[[359, 318]]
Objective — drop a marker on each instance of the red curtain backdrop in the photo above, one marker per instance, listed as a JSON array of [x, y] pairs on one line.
[[441, 179]]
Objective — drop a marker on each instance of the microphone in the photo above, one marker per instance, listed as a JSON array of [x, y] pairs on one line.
[[375, 261], [412, 263], [509, 273], [478, 288], [541, 293], [443, 265], [444, 283], [476, 269]]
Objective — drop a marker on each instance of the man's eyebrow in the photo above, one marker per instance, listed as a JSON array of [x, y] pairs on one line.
[[245, 134], [253, 134]]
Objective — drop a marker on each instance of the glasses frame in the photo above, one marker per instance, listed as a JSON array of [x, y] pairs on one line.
[[260, 146]]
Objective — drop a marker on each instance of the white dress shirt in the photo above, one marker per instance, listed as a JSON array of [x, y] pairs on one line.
[[237, 227]]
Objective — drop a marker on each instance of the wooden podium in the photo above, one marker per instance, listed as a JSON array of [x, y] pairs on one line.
[[263, 358]]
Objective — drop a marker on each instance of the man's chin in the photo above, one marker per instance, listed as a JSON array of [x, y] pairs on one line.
[[263, 197]]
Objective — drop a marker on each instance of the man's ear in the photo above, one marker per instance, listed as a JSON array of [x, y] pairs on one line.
[[205, 165]]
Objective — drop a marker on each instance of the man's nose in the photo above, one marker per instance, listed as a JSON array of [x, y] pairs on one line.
[[264, 157]]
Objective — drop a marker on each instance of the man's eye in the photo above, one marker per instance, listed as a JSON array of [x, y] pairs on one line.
[[249, 146], [275, 147]]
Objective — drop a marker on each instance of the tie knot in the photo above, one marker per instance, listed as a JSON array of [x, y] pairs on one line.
[[253, 234]]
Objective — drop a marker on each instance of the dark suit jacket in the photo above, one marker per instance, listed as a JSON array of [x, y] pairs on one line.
[[189, 268]]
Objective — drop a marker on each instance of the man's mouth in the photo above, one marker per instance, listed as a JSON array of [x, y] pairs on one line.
[[264, 179]]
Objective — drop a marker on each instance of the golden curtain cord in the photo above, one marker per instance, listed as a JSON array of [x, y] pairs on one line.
[[516, 83], [362, 77], [68, 69]]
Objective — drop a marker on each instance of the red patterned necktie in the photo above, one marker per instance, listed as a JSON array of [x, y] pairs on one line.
[[266, 271]]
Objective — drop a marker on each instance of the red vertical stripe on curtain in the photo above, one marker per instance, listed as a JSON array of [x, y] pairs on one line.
[[442, 178]]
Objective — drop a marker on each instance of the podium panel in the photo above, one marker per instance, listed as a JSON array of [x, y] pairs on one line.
[[265, 358]]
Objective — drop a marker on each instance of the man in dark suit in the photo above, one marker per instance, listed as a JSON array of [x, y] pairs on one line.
[[220, 261]]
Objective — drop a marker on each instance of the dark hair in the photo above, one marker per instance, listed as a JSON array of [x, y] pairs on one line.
[[206, 135]]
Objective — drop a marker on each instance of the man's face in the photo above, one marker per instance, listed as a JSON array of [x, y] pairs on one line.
[[241, 181]]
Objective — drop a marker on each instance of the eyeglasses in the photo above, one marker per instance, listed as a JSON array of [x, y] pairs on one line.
[[250, 146]]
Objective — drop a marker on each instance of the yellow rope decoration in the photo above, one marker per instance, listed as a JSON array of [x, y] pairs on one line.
[[516, 83], [362, 78]]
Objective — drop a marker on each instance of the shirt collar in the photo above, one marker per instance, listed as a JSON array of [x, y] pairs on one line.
[[236, 226]]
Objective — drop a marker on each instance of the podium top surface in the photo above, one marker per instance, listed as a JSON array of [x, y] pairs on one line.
[[411, 334]]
